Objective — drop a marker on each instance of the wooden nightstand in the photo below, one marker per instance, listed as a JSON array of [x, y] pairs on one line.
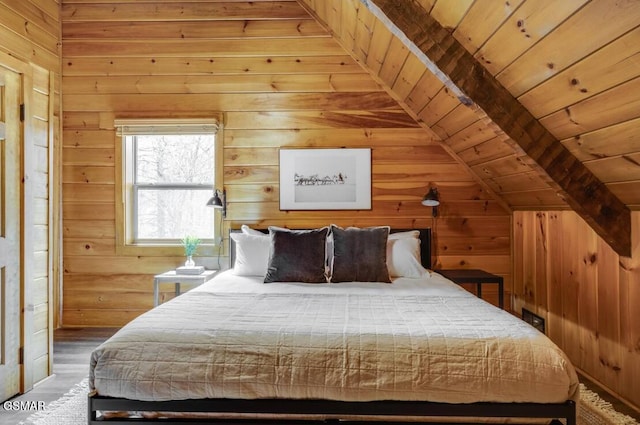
[[172, 277], [477, 276]]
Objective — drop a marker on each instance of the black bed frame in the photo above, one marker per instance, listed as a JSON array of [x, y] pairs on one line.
[[325, 408], [566, 410]]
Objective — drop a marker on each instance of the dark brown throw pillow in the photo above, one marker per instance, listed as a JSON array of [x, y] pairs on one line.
[[297, 255], [360, 255]]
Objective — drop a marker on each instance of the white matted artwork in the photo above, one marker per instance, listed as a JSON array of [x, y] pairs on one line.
[[325, 179]]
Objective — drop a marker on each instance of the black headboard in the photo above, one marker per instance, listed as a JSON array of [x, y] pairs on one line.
[[425, 245]]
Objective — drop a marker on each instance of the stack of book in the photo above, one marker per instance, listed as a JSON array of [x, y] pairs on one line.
[[190, 270]]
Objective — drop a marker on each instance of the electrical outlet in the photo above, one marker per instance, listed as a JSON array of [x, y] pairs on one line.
[[533, 319]]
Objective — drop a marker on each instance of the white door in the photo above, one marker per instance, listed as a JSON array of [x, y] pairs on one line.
[[10, 186]]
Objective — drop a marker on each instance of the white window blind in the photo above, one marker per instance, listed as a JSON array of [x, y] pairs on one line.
[[182, 126]]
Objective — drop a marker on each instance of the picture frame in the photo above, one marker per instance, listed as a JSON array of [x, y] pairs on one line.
[[325, 179]]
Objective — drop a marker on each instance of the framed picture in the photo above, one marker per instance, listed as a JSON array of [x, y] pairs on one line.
[[325, 179]]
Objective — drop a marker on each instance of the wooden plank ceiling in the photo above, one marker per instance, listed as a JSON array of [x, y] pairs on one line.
[[540, 98]]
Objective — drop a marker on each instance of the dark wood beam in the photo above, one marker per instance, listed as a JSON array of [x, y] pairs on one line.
[[464, 75]]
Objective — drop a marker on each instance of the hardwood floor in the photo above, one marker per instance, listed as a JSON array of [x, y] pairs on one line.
[[72, 349]]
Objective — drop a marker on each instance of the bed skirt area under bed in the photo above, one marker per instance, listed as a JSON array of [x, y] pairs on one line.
[[287, 411]]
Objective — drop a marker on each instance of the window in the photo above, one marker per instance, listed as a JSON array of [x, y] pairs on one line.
[[168, 174]]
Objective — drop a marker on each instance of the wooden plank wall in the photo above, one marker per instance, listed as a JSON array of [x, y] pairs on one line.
[[281, 81], [30, 35], [587, 293], [30, 31]]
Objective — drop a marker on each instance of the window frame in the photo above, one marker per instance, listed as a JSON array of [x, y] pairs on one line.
[[126, 189]]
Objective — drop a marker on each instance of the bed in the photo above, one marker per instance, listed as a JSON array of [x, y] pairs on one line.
[[410, 347]]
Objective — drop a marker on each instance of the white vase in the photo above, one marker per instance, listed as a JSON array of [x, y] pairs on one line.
[[189, 262]]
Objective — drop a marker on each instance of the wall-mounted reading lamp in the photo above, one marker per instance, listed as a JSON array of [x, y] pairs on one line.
[[432, 199], [218, 201]]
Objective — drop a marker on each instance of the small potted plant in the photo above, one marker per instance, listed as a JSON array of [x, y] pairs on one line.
[[190, 244]]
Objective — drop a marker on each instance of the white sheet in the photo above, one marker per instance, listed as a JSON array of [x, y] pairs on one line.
[[414, 339], [432, 284]]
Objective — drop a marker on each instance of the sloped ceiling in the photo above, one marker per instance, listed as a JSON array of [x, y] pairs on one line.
[[539, 98]]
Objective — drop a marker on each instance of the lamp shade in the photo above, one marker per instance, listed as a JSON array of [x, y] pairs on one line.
[[219, 202], [215, 201], [431, 199]]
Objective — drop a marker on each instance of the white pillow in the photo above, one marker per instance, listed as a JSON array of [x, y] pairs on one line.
[[252, 254], [404, 235], [403, 255], [249, 231]]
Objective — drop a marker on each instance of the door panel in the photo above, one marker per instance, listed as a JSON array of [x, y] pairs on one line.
[[10, 159]]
